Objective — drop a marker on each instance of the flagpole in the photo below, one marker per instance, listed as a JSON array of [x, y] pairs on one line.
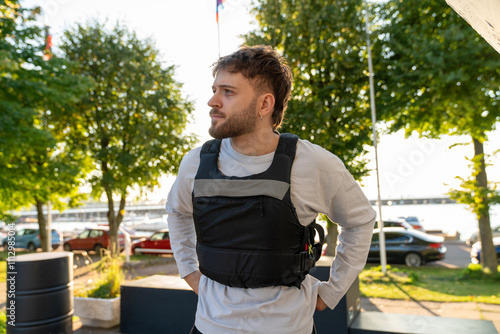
[[218, 3], [218, 36], [383, 255]]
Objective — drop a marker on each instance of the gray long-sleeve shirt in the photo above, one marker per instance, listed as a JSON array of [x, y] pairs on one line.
[[319, 184]]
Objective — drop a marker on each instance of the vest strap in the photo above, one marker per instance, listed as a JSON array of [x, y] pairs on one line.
[[253, 269]]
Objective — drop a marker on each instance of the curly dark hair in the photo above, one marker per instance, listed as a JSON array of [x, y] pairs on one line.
[[269, 70]]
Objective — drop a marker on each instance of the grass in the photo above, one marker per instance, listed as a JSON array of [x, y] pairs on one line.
[[3, 322], [3, 266], [431, 284], [4, 254], [3, 271]]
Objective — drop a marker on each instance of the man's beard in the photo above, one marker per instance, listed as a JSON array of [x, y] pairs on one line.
[[238, 124]]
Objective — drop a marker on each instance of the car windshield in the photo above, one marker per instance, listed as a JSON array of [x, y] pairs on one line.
[[396, 238], [157, 236], [84, 234], [95, 233]]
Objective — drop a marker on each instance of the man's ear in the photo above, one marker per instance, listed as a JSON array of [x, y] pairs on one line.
[[266, 104]]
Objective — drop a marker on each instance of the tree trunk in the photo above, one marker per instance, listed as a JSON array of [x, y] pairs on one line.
[[488, 255], [331, 238], [114, 221], [111, 222], [42, 227]]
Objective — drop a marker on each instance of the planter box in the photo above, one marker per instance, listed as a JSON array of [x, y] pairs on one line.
[[98, 312], [157, 304]]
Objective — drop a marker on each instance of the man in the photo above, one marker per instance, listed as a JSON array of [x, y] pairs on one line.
[[242, 211]]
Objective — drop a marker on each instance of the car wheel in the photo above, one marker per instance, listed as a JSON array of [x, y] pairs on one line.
[[31, 247], [413, 260], [54, 247], [67, 247], [97, 249]]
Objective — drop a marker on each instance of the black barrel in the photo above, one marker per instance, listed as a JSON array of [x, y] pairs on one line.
[[40, 293]]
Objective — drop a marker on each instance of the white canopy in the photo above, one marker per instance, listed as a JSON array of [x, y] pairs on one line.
[[483, 16]]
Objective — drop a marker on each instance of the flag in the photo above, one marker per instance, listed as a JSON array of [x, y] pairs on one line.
[[48, 45], [219, 4]]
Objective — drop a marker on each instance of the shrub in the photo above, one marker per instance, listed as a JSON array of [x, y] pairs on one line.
[[414, 277], [476, 272], [108, 281]]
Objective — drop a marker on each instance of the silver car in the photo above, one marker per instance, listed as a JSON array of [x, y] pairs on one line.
[[474, 237]]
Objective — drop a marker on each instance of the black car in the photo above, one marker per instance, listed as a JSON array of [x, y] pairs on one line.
[[410, 247]]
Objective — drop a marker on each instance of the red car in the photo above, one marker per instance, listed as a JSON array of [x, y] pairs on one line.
[[92, 239], [158, 243]]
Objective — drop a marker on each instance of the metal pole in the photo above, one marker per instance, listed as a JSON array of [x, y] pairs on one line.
[[383, 257], [128, 245], [48, 226], [218, 37]]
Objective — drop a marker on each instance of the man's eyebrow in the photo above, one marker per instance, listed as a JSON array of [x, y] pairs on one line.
[[225, 86]]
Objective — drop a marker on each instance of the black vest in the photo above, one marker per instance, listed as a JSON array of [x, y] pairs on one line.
[[248, 233]]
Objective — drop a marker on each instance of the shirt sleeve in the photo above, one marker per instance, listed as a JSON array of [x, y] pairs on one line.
[[180, 215], [325, 186]]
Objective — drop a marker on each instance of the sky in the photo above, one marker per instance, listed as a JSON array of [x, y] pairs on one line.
[[187, 35]]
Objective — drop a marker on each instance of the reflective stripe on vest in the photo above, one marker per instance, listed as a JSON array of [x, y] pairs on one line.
[[240, 188]]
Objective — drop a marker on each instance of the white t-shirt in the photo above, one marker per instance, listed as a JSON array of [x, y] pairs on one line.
[[319, 184]]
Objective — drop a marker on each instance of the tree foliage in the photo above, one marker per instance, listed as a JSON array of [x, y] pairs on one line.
[[132, 122], [324, 42], [473, 195], [35, 167], [437, 76]]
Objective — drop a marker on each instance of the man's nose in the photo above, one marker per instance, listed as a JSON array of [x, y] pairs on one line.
[[214, 101]]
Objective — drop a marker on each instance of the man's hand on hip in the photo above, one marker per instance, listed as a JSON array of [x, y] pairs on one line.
[[193, 280], [320, 304]]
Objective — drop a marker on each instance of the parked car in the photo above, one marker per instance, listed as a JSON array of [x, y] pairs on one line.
[[396, 223], [475, 253], [410, 247], [93, 239], [474, 237], [414, 221], [158, 243], [29, 238]]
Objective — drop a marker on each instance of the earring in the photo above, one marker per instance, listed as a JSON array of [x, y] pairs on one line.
[[261, 118]]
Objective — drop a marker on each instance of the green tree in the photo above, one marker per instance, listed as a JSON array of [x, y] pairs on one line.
[[325, 44], [35, 167], [437, 76], [132, 123]]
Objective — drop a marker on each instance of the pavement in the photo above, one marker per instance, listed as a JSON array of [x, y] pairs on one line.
[[462, 310]]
